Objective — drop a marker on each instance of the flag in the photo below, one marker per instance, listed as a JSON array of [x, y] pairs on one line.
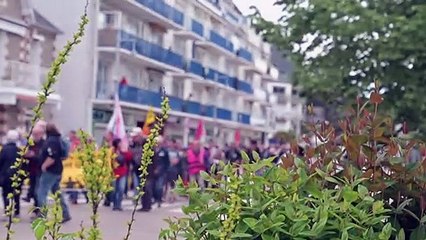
[[237, 137], [116, 123], [150, 119], [200, 131]]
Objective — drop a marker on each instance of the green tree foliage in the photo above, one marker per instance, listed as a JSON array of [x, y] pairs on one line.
[[341, 47]]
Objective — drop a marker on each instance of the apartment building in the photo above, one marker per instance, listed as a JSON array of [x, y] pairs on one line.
[[287, 108], [211, 63], [26, 51]]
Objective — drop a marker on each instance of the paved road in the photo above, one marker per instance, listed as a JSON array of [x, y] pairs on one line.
[[113, 224]]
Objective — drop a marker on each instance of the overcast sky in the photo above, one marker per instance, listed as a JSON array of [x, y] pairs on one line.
[[266, 7]]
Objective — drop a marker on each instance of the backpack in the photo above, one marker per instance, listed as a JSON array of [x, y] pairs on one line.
[[65, 149]]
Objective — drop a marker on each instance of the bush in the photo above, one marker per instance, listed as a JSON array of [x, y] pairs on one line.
[[279, 204]]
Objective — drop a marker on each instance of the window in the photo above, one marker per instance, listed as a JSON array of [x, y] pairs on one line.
[[280, 90], [177, 89], [130, 25]]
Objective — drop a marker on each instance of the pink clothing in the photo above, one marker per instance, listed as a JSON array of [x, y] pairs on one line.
[[196, 162]]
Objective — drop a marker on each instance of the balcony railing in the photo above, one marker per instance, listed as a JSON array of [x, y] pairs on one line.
[[151, 50], [244, 87], [164, 9], [244, 118], [224, 114], [244, 53], [151, 98], [196, 68], [219, 40], [140, 96], [221, 78], [197, 27]]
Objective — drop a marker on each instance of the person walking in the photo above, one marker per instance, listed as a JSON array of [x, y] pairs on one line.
[[52, 154], [196, 163], [120, 169], [34, 163], [8, 156], [161, 163]]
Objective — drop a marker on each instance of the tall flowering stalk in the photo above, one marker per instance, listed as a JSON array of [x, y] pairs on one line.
[[234, 210], [148, 154], [97, 174], [47, 89]]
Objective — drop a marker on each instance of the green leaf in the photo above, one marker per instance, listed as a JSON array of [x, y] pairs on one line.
[[362, 191], [345, 235], [39, 228], [386, 232], [396, 160], [241, 235], [251, 222], [349, 195], [401, 235]]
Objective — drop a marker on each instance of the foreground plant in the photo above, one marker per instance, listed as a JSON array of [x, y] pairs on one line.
[[148, 154], [97, 175], [368, 147], [279, 204], [47, 89]]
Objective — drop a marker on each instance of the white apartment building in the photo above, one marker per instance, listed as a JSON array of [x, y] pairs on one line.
[[26, 51], [287, 108], [211, 63]]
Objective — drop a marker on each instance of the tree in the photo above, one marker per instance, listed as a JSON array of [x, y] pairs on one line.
[[341, 47]]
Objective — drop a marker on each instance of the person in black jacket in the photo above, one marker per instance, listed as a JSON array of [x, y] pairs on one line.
[[161, 162], [8, 156], [51, 155]]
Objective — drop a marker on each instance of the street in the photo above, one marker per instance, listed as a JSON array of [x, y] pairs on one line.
[[113, 224]]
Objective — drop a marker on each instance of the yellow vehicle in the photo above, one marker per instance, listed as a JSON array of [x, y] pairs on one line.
[[72, 172], [72, 176]]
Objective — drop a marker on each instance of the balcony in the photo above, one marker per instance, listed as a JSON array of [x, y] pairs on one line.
[[208, 111], [164, 9], [223, 114], [244, 87], [219, 40], [244, 118], [245, 54], [221, 78], [140, 96], [196, 68], [151, 98], [134, 44], [197, 28]]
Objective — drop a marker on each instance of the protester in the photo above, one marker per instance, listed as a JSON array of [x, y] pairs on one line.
[[52, 154], [120, 168], [233, 154], [161, 162], [8, 157], [34, 162], [173, 170], [196, 165]]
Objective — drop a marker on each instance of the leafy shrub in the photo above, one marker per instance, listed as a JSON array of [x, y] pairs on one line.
[[367, 146], [279, 204]]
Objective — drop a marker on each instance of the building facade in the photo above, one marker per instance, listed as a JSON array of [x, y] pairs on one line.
[[287, 108], [26, 51], [211, 63]]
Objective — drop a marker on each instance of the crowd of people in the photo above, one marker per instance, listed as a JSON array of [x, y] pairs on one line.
[[44, 167], [171, 160]]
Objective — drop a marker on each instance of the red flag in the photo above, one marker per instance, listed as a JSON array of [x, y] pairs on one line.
[[237, 137], [200, 130]]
